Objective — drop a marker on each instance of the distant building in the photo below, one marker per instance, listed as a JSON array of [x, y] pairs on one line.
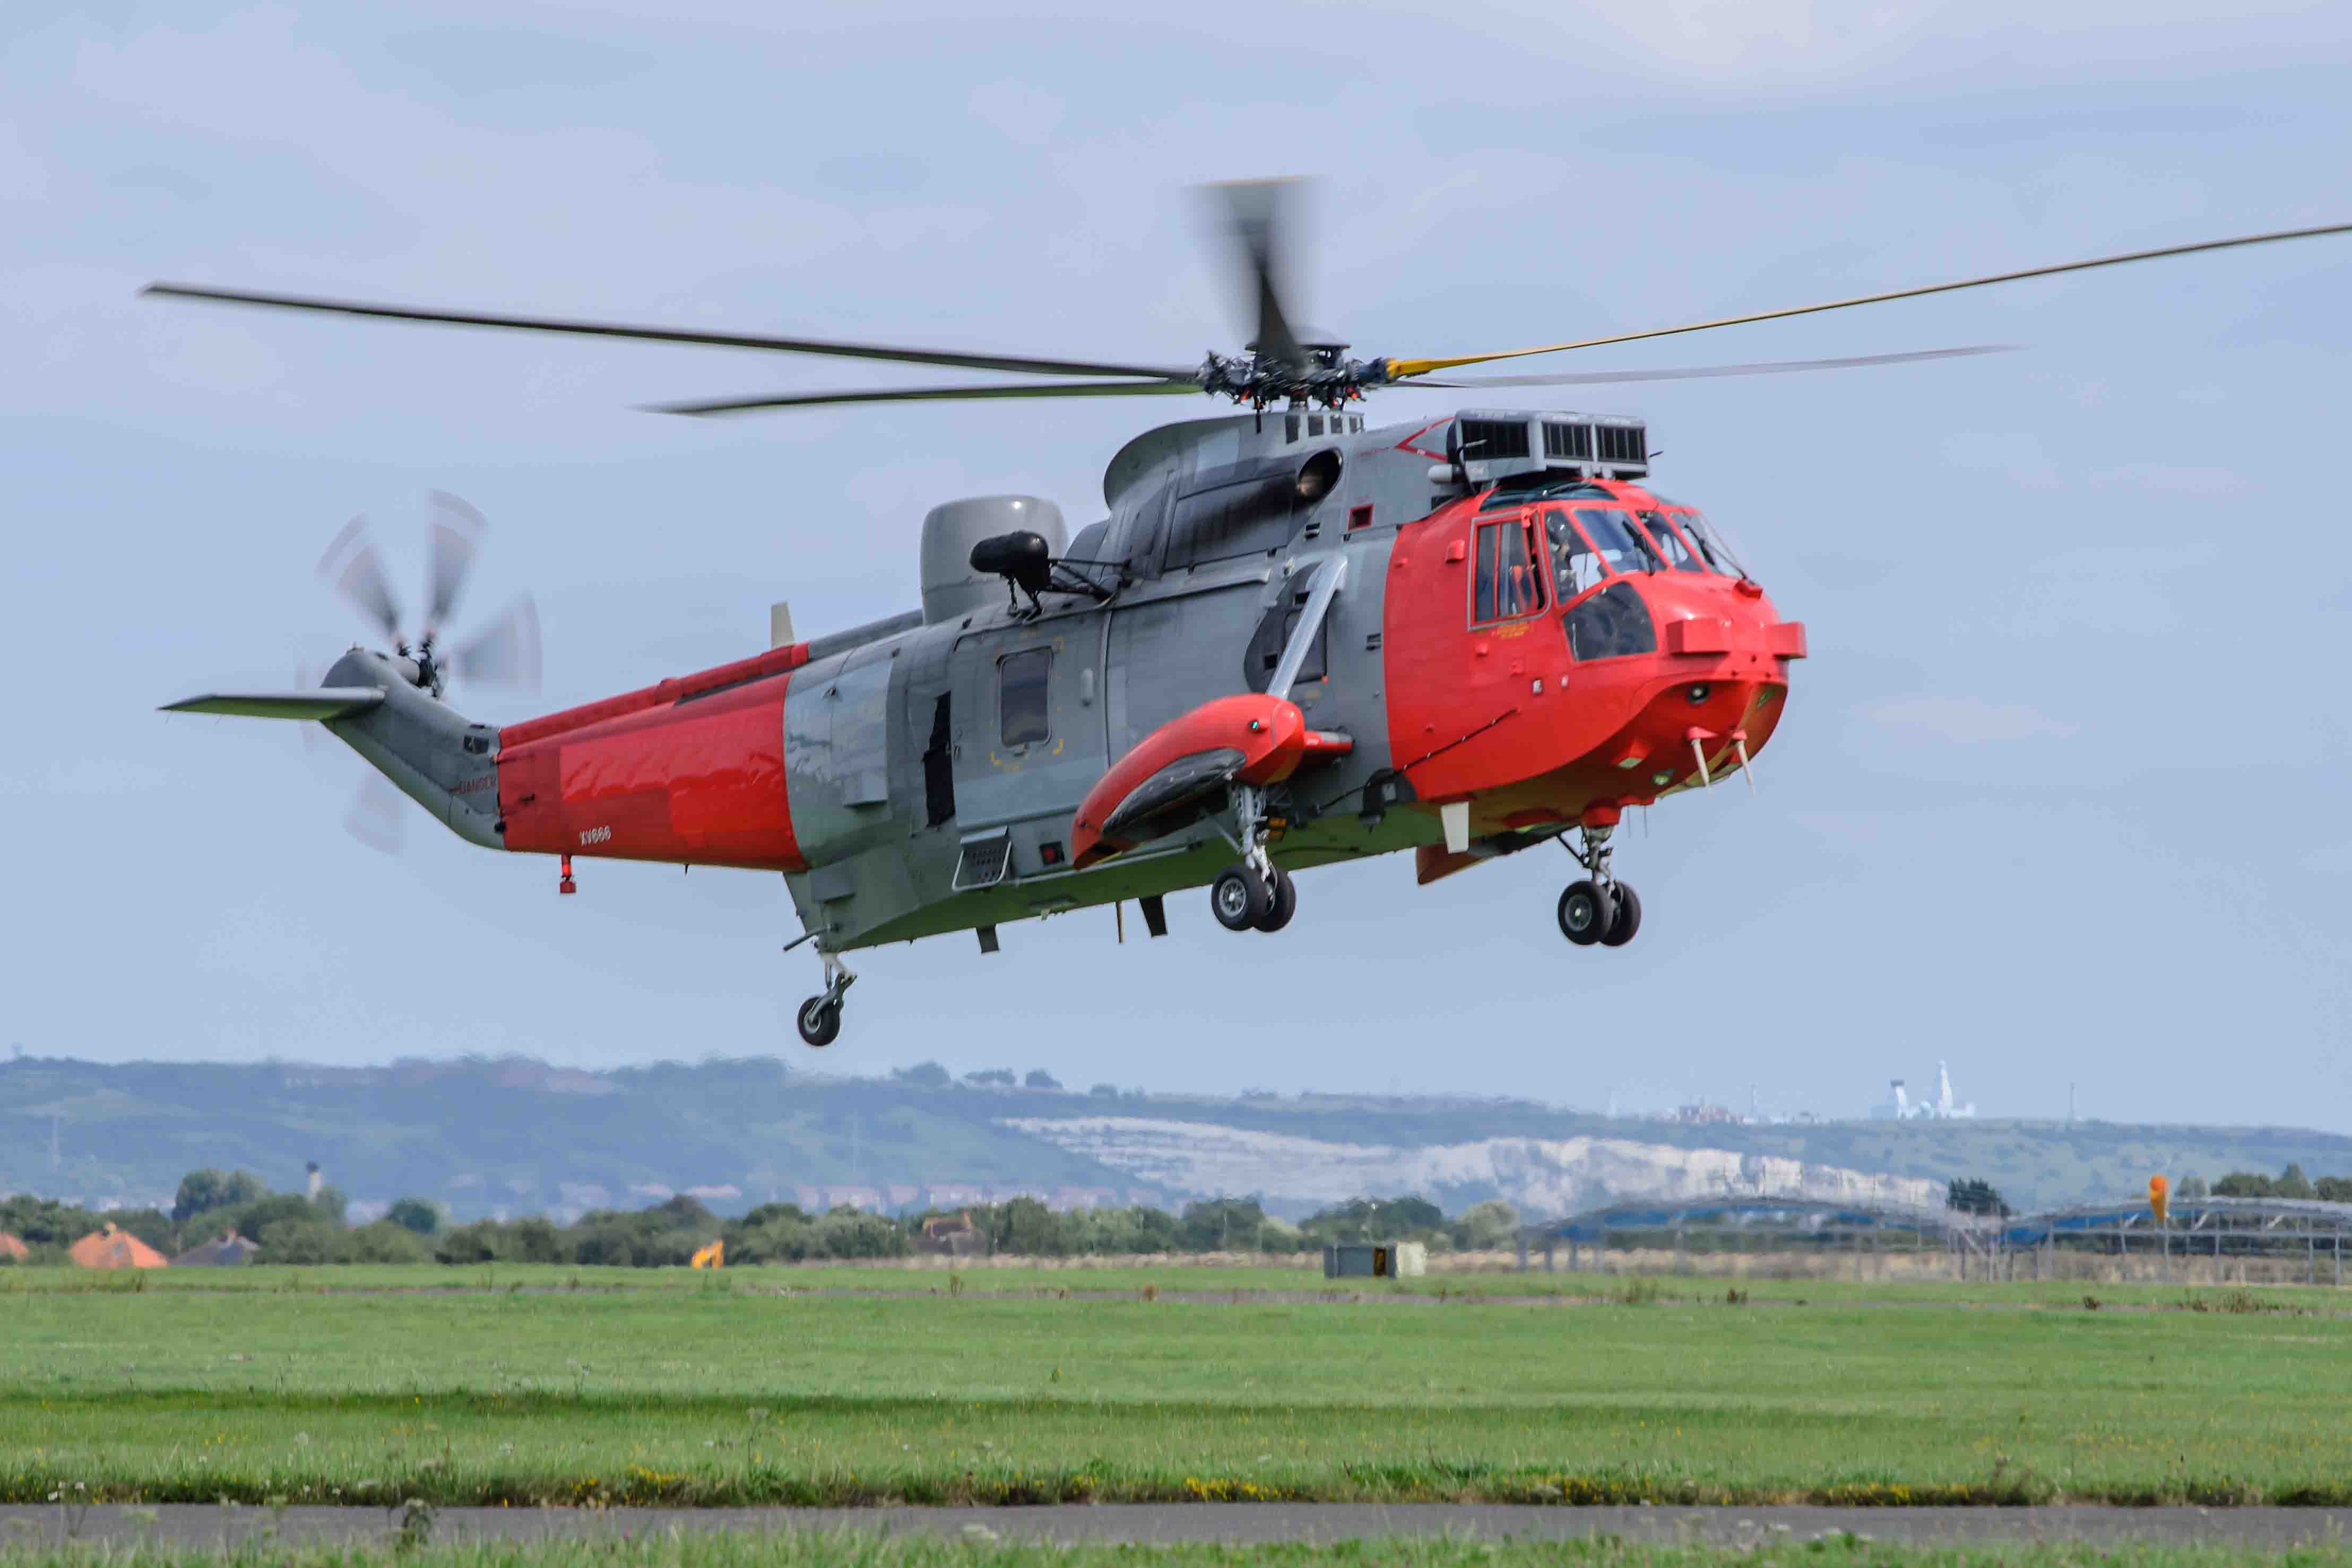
[[952, 1234], [226, 1250], [113, 1248], [1899, 1105], [12, 1248]]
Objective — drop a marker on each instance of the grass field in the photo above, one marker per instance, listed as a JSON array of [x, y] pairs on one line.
[[758, 1386], [826, 1550]]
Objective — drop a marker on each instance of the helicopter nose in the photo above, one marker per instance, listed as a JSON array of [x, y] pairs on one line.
[[1715, 697]]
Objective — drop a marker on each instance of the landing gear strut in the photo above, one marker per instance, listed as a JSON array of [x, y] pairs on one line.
[[1252, 893], [820, 1016], [1600, 908]]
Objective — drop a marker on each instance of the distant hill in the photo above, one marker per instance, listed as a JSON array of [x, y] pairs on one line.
[[514, 1136]]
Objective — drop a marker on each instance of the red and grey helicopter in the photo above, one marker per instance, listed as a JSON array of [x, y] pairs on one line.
[[1292, 639]]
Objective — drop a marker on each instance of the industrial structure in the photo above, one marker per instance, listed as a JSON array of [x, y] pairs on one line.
[[1899, 1105], [2304, 1236]]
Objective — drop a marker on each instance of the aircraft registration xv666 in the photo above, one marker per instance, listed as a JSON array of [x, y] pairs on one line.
[[1292, 640]]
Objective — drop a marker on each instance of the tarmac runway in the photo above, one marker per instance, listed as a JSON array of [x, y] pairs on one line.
[[199, 1525]]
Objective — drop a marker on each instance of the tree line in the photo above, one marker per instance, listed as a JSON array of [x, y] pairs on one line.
[[295, 1228], [2289, 1183]]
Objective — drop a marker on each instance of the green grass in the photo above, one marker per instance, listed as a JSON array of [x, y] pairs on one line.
[[674, 1389], [799, 1549], [1081, 1278]]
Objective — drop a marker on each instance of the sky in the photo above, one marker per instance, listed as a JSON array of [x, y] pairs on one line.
[[2059, 794]]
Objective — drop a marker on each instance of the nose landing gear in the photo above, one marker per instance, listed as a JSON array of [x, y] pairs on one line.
[[1600, 908], [819, 1019]]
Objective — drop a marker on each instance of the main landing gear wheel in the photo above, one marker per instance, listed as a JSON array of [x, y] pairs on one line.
[[819, 1020], [1282, 902], [1239, 898], [1627, 918], [1586, 913]]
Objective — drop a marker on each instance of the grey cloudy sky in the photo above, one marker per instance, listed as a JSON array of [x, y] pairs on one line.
[[2060, 796]]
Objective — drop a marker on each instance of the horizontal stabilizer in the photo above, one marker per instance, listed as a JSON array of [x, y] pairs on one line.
[[321, 702]]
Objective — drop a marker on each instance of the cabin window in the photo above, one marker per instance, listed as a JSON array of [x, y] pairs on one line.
[[1022, 681], [1507, 579]]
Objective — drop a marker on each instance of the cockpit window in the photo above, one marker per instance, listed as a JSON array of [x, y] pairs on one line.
[[1621, 544], [1508, 577], [1710, 543], [1670, 541], [1574, 563], [1610, 624]]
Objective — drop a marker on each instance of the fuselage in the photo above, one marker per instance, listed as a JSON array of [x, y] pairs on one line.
[[1542, 642]]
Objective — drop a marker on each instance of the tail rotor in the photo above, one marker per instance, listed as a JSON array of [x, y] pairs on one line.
[[502, 652]]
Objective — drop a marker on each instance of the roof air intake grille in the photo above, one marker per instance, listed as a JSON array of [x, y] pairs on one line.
[[1483, 440], [1623, 443], [1570, 441]]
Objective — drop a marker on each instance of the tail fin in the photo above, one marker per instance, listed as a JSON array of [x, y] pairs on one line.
[[436, 759], [320, 703]]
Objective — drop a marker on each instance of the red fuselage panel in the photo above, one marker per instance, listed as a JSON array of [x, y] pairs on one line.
[[700, 782]]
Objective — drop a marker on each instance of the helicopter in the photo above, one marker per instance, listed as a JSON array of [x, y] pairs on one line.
[[1293, 638]]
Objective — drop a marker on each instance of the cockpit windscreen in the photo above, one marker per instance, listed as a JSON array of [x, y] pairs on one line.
[[1663, 533], [1710, 542], [1621, 544]]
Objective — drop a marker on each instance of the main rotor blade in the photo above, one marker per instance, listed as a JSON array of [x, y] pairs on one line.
[[355, 569], [458, 530], [933, 395], [1258, 215], [1400, 369], [505, 653], [666, 334], [1700, 372]]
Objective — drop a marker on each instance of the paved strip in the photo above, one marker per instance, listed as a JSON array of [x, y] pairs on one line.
[[229, 1528]]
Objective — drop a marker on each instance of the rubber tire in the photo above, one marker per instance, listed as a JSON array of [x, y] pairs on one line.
[[1627, 919], [1282, 905], [1239, 899], [819, 1021], [1593, 912]]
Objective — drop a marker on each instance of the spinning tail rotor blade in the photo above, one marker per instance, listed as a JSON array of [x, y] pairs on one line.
[[1702, 373], [1260, 215], [457, 531], [355, 569], [1400, 369], [379, 814], [505, 653]]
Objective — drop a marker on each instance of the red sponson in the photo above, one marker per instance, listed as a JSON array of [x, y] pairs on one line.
[[1269, 732]]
